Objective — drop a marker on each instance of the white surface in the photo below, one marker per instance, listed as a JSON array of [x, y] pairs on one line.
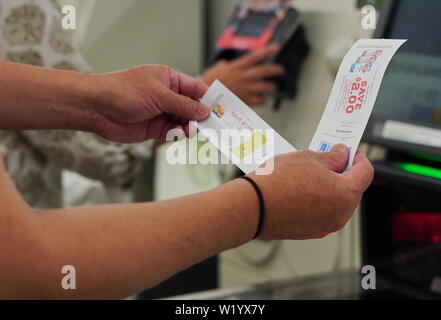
[[406, 132]]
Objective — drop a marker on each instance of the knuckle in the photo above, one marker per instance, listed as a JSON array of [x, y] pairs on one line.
[[307, 153], [158, 68], [163, 67]]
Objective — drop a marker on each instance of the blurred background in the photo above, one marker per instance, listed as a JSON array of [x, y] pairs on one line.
[[114, 34]]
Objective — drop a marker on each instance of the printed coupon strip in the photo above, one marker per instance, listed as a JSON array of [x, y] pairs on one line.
[[238, 132], [353, 95], [248, 141]]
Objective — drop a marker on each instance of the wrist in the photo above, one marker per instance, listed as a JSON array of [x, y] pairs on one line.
[[69, 100], [91, 96], [93, 99], [262, 208], [240, 209]]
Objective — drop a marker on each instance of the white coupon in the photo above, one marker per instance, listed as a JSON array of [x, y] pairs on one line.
[[238, 132], [353, 95]]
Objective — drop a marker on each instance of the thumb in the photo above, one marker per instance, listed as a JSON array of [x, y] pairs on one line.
[[336, 159], [257, 56], [183, 107]]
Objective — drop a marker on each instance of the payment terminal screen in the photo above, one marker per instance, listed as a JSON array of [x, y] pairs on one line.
[[255, 24], [411, 88]]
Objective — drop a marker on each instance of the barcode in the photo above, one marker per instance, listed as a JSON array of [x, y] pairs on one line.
[[324, 147]]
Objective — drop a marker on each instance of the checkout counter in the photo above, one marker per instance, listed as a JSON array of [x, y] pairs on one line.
[[335, 286]]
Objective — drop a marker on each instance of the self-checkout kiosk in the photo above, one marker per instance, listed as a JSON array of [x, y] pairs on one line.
[[401, 211]]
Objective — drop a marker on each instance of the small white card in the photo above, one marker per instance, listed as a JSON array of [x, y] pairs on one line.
[[238, 132], [353, 95]]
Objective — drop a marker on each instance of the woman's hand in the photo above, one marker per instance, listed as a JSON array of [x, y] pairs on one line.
[[247, 76], [307, 197], [146, 102]]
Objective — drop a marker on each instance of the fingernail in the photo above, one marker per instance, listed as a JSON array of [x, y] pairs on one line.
[[340, 148], [203, 111]]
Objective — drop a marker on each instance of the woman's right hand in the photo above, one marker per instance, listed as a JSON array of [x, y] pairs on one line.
[[307, 197]]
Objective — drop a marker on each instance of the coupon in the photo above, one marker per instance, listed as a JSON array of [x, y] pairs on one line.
[[248, 141], [238, 132], [353, 95]]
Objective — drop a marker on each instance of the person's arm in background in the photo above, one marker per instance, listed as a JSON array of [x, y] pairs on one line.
[[247, 76], [114, 164], [119, 250]]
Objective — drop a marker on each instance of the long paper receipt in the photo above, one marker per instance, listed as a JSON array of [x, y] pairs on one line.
[[248, 141], [353, 95]]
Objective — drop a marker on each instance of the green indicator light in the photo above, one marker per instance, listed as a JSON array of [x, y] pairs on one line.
[[419, 169]]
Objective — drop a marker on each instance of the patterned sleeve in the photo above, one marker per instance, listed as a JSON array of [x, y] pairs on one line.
[[89, 155], [31, 33]]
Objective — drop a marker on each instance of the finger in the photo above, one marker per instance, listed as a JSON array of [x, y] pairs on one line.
[[256, 100], [257, 56], [336, 159], [361, 173], [265, 71], [263, 87], [183, 107], [186, 85], [220, 63]]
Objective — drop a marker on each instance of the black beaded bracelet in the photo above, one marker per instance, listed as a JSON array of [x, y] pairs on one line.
[[261, 205]]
